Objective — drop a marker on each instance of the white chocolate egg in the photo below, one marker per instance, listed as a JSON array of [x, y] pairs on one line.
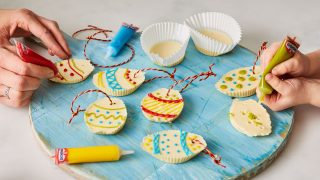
[[250, 118], [160, 107], [240, 82], [118, 81], [173, 146], [72, 71], [102, 117]]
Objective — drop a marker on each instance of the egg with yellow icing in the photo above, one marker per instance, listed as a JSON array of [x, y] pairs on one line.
[[159, 106], [102, 117], [118, 81], [72, 71], [173, 146], [239, 82]]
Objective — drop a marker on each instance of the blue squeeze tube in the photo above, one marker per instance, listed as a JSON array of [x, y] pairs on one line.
[[124, 34]]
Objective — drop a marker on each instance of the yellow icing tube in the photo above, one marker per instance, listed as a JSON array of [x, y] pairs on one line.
[[89, 154], [287, 49]]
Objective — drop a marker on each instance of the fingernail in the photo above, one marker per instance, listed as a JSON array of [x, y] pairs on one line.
[[268, 77]]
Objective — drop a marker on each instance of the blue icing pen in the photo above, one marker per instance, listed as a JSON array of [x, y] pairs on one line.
[[124, 34]]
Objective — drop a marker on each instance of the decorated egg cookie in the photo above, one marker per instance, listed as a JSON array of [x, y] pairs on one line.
[[250, 118], [240, 82], [102, 117], [160, 107], [173, 146], [73, 71], [118, 81]]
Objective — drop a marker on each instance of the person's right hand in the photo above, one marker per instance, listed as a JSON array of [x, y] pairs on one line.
[[287, 93], [20, 78], [297, 66]]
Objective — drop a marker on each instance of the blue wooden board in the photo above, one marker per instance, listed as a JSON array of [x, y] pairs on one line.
[[205, 113]]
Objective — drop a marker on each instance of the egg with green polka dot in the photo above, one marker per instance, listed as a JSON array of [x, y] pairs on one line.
[[241, 82], [102, 117], [173, 146]]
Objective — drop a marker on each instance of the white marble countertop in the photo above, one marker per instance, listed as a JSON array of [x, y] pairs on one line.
[[22, 157]]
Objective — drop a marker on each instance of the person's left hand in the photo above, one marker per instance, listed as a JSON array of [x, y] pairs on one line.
[[18, 79]]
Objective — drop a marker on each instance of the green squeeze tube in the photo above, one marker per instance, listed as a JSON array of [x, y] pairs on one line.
[[287, 49]]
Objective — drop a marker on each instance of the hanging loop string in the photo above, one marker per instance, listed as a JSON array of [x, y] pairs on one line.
[[262, 48], [205, 76], [75, 113], [216, 159], [92, 37], [169, 75]]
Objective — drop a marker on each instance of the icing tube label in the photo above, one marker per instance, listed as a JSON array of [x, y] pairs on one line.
[[291, 48], [61, 155]]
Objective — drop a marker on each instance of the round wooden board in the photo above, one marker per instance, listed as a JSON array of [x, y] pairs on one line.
[[205, 113]]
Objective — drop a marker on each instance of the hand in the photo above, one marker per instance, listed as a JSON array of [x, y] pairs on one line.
[[297, 66], [24, 78], [289, 92]]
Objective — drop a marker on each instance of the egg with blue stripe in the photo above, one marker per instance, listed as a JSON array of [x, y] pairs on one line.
[[119, 81], [173, 146]]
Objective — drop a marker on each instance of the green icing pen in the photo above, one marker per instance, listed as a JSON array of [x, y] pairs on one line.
[[287, 49]]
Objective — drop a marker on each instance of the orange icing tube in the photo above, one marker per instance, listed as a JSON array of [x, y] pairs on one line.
[[89, 154]]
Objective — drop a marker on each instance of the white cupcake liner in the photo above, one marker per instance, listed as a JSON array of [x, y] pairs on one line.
[[174, 160], [164, 31], [215, 21]]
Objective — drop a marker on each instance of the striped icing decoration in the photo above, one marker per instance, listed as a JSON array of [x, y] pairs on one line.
[[157, 104], [156, 149], [183, 137]]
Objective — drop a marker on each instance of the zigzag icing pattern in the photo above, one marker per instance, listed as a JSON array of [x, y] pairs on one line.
[[112, 79], [104, 118]]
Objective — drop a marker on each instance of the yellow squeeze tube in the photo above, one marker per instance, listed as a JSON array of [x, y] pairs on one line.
[[287, 49], [89, 154]]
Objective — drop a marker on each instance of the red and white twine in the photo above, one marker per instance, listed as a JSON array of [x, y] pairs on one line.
[[193, 78], [169, 75], [75, 113], [262, 48], [92, 37], [216, 159]]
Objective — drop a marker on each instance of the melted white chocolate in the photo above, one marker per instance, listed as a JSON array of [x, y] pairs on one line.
[[217, 35], [166, 48]]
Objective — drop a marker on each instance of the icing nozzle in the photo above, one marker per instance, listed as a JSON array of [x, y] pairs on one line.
[[126, 152], [110, 52]]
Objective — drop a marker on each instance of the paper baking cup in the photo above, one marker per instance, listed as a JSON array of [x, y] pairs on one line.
[[239, 93], [174, 160], [215, 21], [165, 31], [123, 92]]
